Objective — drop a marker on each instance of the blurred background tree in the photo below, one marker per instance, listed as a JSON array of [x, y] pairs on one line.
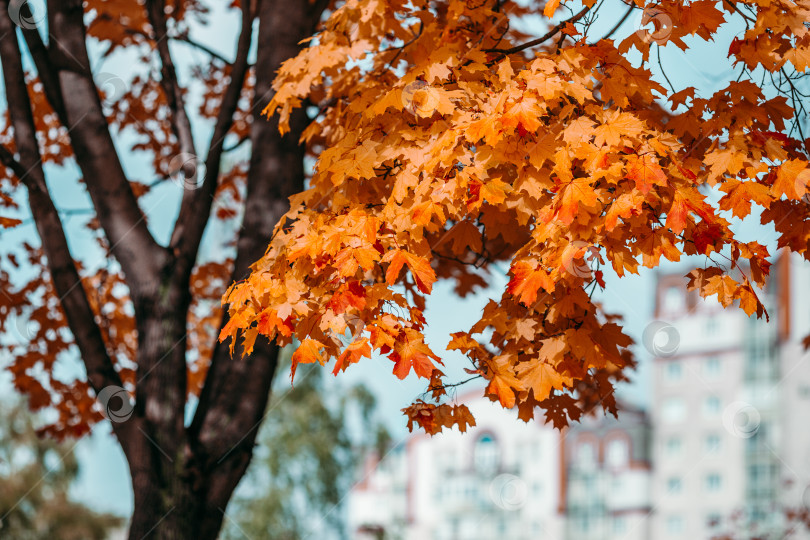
[[318, 440], [35, 475]]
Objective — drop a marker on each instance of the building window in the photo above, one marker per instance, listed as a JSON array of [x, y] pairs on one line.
[[713, 443], [712, 406], [711, 325], [674, 300], [673, 410], [674, 486], [486, 454], [619, 525], [617, 453], [586, 454], [673, 371], [673, 447], [713, 520], [674, 525], [712, 366], [713, 482], [585, 524]]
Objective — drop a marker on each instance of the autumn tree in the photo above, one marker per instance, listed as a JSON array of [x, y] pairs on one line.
[[455, 138], [449, 136], [143, 316]]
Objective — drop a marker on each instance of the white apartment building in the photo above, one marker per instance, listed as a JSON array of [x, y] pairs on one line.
[[501, 479], [607, 477], [731, 449], [508, 479], [724, 449]]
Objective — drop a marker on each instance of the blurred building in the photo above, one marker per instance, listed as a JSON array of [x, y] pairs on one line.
[[501, 479], [608, 468], [723, 452], [730, 392]]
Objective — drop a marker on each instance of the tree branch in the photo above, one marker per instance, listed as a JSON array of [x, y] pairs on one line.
[[47, 75], [204, 48], [550, 34], [141, 258], [181, 125], [8, 160], [65, 276], [621, 21], [195, 209]]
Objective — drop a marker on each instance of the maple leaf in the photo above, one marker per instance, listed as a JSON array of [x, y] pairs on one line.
[[353, 353], [527, 280], [646, 173], [412, 352], [740, 195], [617, 125], [307, 353], [8, 223], [419, 267], [577, 191], [792, 178], [542, 378], [503, 383], [550, 8]]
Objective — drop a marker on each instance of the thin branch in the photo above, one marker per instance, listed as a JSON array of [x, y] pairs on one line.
[[746, 18], [235, 145], [196, 206], [202, 47], [797, 106], [47, 75], [621, 21], [551, 33], [661, 65], [181, 124]]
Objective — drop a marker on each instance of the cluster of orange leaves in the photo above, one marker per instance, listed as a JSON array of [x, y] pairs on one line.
[[440, 153]]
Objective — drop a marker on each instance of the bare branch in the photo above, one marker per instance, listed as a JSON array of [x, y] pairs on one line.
[[45, 71], [181, 124], [141, 258], [204, 48], [550, 34], [621, 21], [195, 209], [8, 160]]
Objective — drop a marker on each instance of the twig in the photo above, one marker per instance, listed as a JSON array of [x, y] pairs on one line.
[[551, 33]]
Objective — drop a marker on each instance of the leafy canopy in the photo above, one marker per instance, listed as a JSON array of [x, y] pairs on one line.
[[448, 140]]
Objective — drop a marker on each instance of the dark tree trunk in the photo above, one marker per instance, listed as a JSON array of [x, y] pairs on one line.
[[182, 477], [186, 496]]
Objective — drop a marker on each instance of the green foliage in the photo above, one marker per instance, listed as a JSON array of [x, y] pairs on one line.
[[35, 475]]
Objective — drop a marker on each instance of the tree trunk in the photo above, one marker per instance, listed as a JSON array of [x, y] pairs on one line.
[[182, 477], [182, 490]]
